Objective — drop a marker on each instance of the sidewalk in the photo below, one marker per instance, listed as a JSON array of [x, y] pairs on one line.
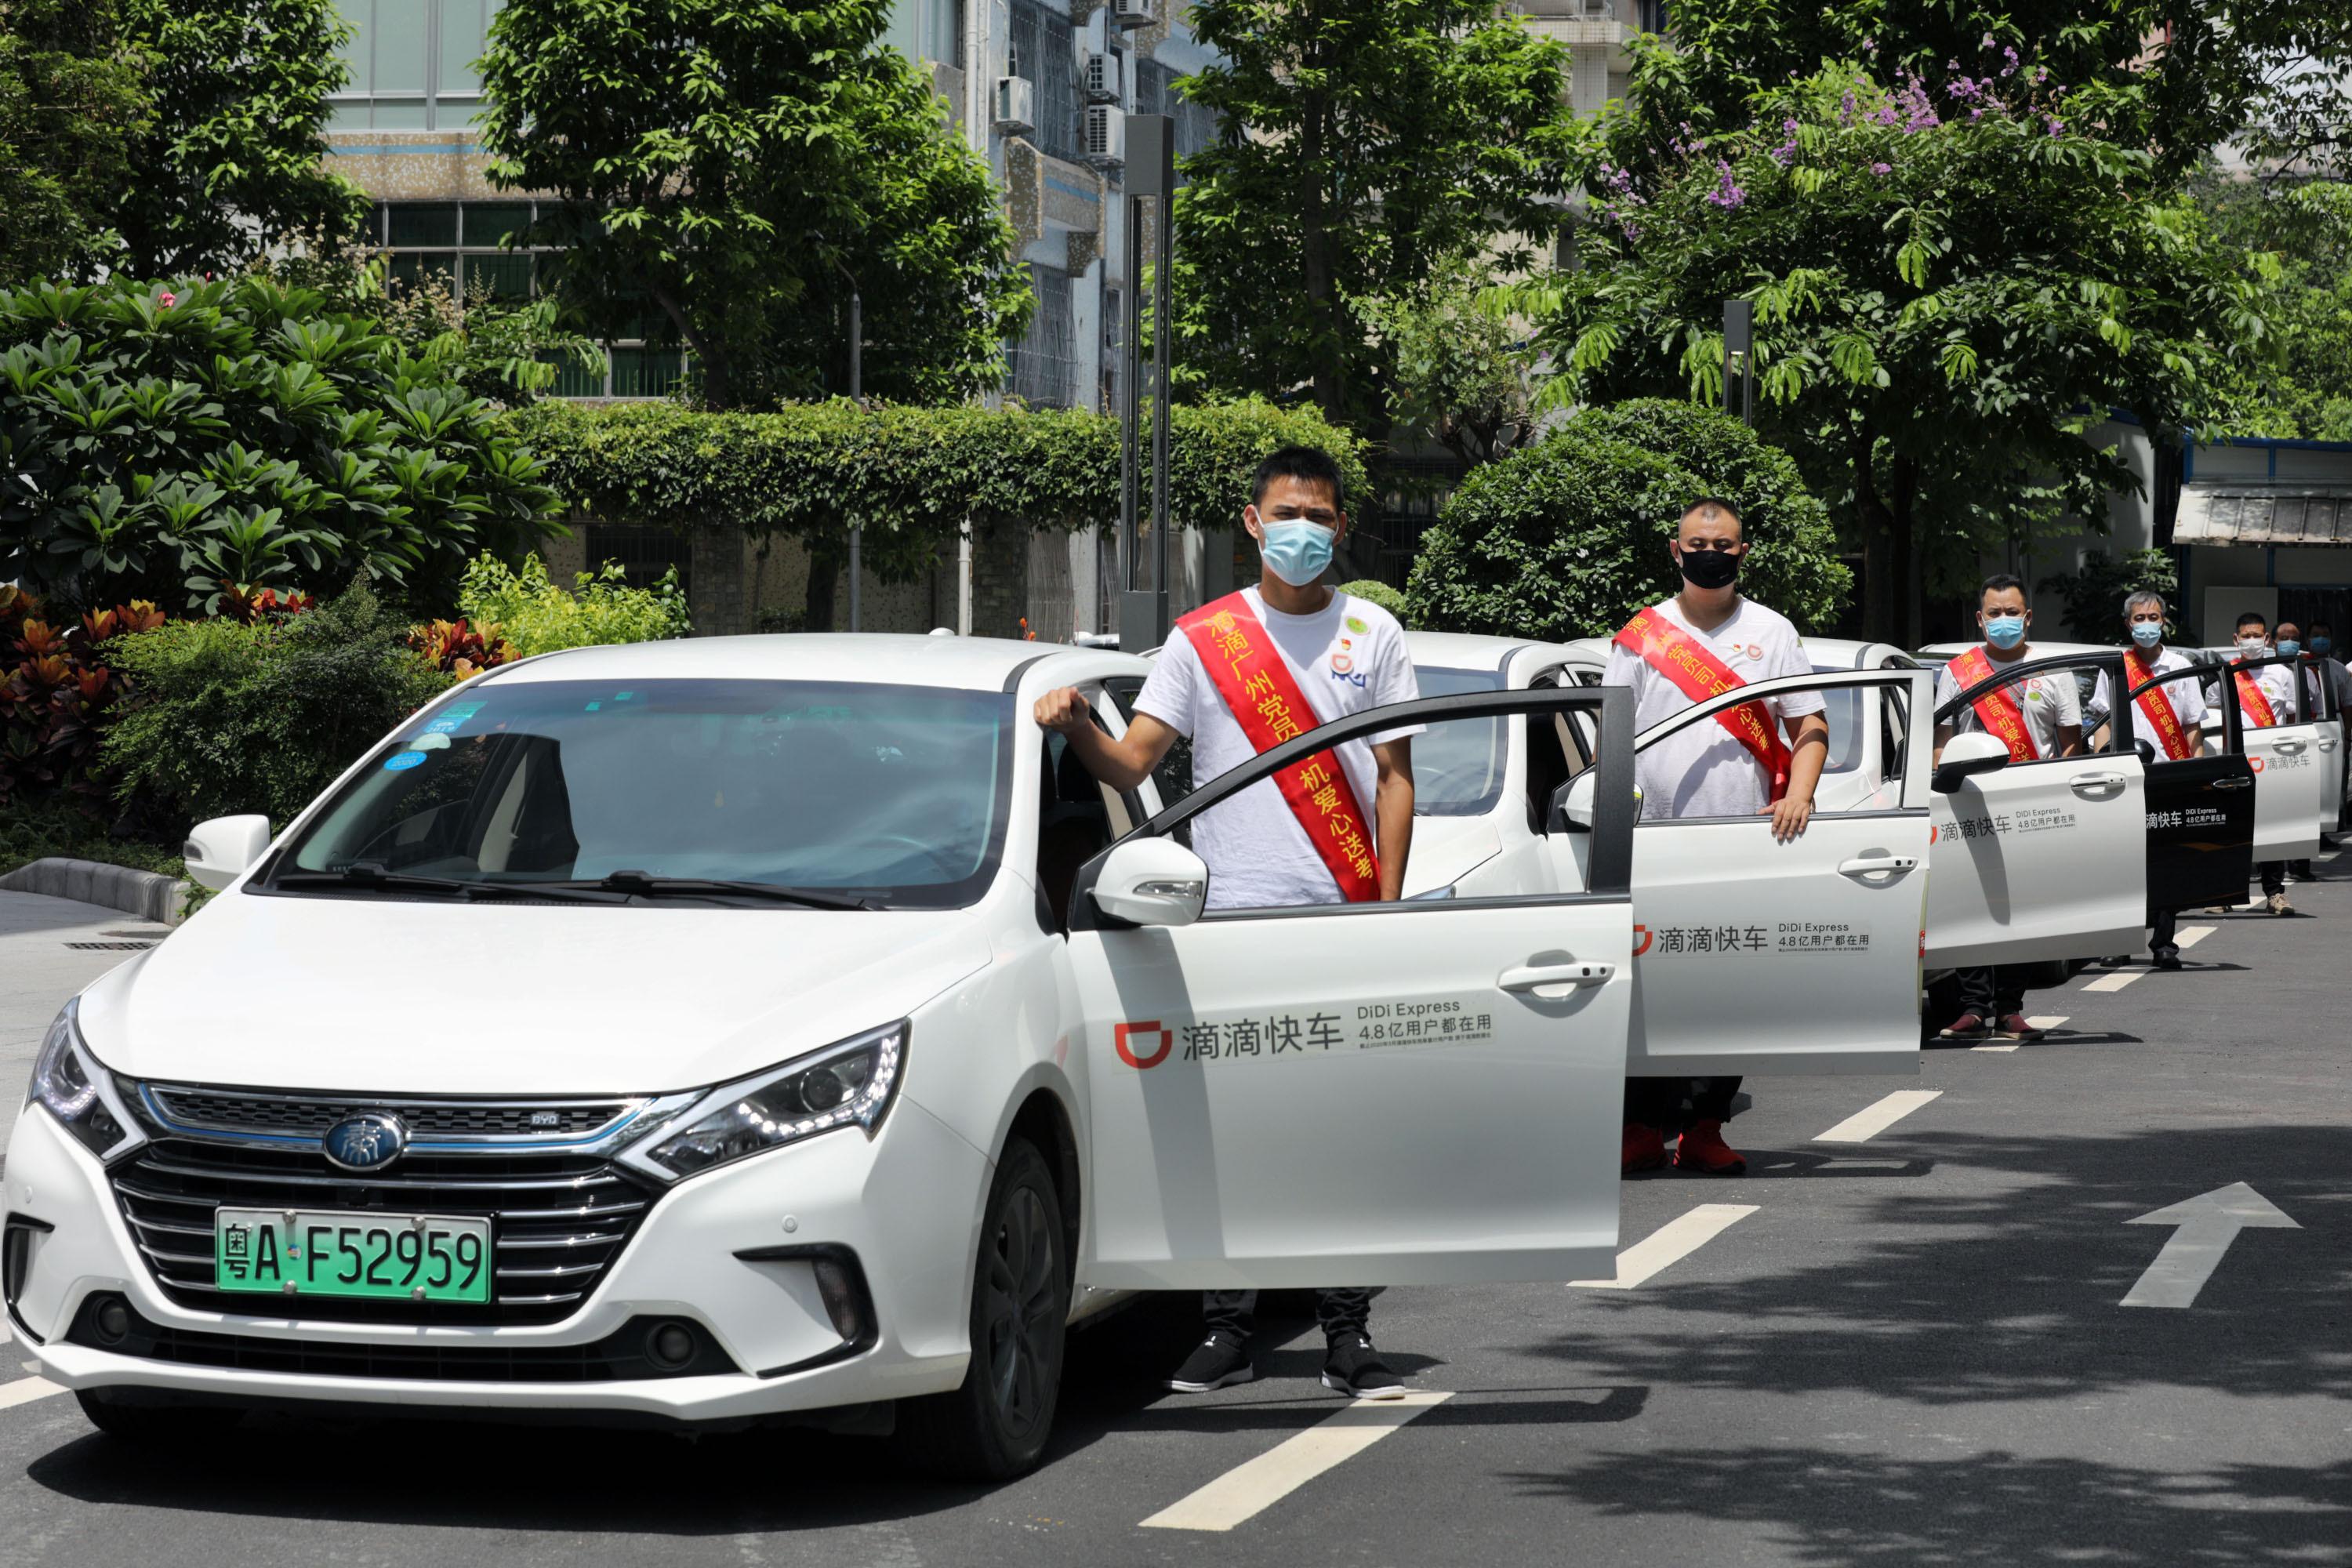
[[39, 971]]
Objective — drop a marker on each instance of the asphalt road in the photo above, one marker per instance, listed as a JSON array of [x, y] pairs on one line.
[[1912, 1350]]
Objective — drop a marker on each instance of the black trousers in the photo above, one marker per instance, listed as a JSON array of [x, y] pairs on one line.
[[1992, 991], [2160, 939], [1657, 1101], [1346, 1310], [2274, 877]]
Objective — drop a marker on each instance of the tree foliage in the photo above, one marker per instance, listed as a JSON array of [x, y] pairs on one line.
[[1953, 280], [229, 166], [71, 104], [211, 441], [1363, 142], [2303, 232], [1463, 375], [1568, 537], [537, 615], [2094, 594], [729, 167]]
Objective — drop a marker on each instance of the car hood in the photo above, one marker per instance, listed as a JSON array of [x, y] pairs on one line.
[[366, 995]]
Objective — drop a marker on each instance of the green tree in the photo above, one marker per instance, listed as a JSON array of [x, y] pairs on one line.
[[1568, 537], [1463, 376], [727, 167], [2305, 231], [70, 106], [1953, 283], [1363, 142], [230, 166]]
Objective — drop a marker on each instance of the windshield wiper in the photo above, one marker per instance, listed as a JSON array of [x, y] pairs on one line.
[[371, 874], [645, 884]]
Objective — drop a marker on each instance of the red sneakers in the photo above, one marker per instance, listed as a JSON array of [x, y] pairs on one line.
[[2013, 1027], [1646, 1149], [1705, 1152], [1966, 1026]]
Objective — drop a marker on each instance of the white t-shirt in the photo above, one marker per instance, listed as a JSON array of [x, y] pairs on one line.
[[1702, 770], [2278, 683], [2188, 699], [1348, 657], [2048, 701]]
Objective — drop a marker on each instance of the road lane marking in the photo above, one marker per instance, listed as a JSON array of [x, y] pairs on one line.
[[2043, 1021], [1868, 1124], [25, 1390], [1669, 1244], [2205, 1225], [2190, 936], [2115, 982], [1249, 1489]]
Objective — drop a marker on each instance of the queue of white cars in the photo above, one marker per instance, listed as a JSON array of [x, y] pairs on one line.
[[785, 1026]]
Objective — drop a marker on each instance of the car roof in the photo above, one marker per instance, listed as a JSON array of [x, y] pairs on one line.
[[2042, 648], [885, 658], [1462, 650]]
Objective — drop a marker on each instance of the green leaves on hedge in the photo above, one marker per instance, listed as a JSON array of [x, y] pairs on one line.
[[909, 477], [1568, 537]]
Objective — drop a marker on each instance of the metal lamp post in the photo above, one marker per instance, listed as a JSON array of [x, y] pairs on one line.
[[1739, 356], [1150, 188], [856, 394]]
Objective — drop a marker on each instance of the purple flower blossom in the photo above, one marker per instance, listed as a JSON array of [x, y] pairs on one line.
[[2057, 126], [2010, 55], [1881, 170], [1987, 43], [1726, 194], [1976, 114]]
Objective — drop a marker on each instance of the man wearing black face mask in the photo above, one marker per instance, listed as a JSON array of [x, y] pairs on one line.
[[1705, 640]]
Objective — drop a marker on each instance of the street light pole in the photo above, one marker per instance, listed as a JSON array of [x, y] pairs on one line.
[[1739, 356], [856, 394], [1150, 188]]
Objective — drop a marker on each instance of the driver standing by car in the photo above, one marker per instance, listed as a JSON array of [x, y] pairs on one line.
[[2266, 696], [2170, 720], [1706, 640], [2038, 718], [1230, 676]]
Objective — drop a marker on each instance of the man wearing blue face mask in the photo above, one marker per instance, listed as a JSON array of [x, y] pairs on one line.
[[2169, 718], [1342, 839], [2039, 719]]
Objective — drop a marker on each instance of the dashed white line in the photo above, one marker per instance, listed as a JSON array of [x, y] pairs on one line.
[[1868, 1124], [1669, 1244], [2190, 936], [2040, 1021], [1249, 1489], [2187, 936], [25, 1390]]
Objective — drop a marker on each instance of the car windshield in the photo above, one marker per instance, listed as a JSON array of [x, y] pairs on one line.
[[883, 795], [1457, 766]]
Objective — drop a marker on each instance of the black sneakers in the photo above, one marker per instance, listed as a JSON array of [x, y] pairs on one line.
[[1219, 1362], [1354, 1368]]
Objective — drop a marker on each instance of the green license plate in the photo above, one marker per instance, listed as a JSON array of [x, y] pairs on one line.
[[390, 1256]]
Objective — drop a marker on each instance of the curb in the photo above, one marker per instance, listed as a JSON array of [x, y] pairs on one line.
[[150, 895]]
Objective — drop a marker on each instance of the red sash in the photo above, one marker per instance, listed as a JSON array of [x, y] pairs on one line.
[[1264, 698], [1996, 710], [1698, 675], [2256, 706], [2156, 704]]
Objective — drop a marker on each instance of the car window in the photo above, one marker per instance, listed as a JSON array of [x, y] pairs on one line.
[[1457, 766], [894, 794]]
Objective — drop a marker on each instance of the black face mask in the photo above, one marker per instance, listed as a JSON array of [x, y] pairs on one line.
[[1709, 568]]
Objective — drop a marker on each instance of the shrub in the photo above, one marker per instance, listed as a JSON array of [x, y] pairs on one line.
[[2095, 594], [1379, 593], [235, 717], [57, 693], [459, 648], [203, 442], [535, 615], [1568, 537]]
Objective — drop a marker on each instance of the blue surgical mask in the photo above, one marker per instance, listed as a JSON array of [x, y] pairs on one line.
[[1297, 551], [2289, 646], [2323, 645], [2147, 633], [2004, 631]]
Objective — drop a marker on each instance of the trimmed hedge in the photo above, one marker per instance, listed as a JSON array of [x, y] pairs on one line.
[[908, 475], [1568, 537]]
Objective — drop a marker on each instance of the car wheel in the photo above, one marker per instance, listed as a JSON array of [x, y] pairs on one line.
[[156, 1426], [996, 1426]]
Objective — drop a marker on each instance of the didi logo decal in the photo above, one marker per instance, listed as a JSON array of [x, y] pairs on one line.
[[2258, 763], [1643, 936], [1125, 1037]]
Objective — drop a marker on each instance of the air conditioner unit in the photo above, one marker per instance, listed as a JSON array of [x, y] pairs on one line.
[[1101, 75], [1106, 135], [1016, 105], [1135, 13]]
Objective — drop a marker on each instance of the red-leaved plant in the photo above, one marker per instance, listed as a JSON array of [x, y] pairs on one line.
[[56, 692], [460, 647]]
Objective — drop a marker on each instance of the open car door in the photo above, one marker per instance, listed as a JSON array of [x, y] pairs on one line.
[[2040, 860], [1752, 956], [1427, 1091], [2201, 812], [2289, 780]]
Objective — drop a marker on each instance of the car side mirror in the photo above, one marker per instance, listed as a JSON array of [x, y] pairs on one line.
[[2146, 750], [1152, 882], [220, 851], [1571, 806], [1965, 756]]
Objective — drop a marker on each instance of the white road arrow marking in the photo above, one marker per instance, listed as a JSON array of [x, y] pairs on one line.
[[2207, 1224]]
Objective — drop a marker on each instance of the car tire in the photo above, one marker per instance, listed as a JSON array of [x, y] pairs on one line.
[[996, 1424], [156, 1426]]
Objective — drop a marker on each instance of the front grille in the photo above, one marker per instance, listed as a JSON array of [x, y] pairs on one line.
[[297, 1116], [621, 1356], [557, 1221]]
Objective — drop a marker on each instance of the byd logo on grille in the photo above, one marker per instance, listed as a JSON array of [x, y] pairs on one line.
[[1124, 1038]]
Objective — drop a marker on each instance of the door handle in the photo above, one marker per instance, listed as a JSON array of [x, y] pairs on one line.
[[2288, 746], [1529, 977], [2085, 782], [1869, 865], [2233, 783]]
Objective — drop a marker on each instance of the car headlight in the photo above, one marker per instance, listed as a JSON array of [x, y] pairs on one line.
[[850, 1084], [70, 1084]]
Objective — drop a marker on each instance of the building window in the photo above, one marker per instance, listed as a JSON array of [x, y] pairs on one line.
[[1155, 93], [412, 64], [1042, 49], [1046, 360]]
